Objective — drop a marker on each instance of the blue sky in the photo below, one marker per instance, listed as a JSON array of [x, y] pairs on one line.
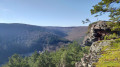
[[48, 12]]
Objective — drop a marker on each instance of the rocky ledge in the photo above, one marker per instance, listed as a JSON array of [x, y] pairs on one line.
[[94, 55], [94, 39], [97, 32]]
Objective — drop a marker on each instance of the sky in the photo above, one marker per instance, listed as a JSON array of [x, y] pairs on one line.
[[63, 13]]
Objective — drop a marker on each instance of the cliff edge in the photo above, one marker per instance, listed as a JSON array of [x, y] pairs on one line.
[[95, 39]]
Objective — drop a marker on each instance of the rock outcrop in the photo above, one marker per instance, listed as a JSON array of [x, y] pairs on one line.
[[94, 39], [94, 55], [96, 32]]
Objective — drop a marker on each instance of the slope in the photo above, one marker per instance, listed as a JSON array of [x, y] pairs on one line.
[[23, 38]]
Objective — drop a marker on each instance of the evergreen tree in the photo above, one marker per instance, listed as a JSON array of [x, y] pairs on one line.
[[64, 57], [108, 6]]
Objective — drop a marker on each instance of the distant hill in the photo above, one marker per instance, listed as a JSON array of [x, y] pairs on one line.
[[73, 33], [23, 38]]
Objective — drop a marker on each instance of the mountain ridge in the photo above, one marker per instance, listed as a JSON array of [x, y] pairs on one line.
[[24, 38]]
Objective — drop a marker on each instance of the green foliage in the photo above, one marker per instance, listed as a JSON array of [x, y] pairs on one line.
[[64, 57], [22, 39], [86, 21], [111, 36], [16, 61], [114, 26], [110, 55], [106, 6]]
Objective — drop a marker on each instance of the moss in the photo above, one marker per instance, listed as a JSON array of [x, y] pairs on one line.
[[97, 43], [110, 55], [111, 36], [100, 41]]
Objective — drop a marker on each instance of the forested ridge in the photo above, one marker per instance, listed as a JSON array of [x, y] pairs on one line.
[[64, 57], [24, 39], [101, 48]]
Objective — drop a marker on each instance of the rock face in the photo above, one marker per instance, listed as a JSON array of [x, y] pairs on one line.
[[96, 33], [94, 55], [94, 39]]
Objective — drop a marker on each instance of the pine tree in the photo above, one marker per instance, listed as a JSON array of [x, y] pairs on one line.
[[112, 7]]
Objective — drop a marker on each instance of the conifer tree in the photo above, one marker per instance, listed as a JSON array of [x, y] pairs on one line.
[[112, 7]]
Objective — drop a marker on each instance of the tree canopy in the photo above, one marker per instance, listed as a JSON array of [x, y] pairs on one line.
[[112, 7], [66, 56]]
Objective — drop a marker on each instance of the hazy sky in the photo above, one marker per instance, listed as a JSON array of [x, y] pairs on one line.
[[47, 12]]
